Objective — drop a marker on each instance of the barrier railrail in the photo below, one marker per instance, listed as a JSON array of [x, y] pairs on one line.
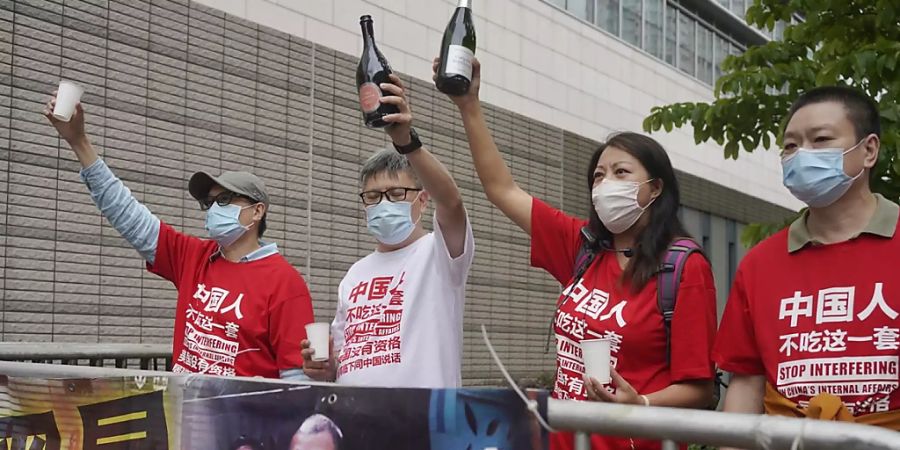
[[665, 424], [144, 356], [748, 431]]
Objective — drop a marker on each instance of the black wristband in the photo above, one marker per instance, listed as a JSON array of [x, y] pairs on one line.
[[414, 143]]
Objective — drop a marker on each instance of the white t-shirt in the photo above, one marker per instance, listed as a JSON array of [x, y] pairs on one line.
[[399, 316]]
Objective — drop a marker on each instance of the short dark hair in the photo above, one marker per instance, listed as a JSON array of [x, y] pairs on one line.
[[387, 161], [261, 228], [861, 109]]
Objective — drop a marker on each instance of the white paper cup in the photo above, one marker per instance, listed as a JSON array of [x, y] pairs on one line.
[[596, 355], [68, 96], [317, 333]]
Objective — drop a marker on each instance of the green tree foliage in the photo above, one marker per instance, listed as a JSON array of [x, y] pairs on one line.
[[854, 42]]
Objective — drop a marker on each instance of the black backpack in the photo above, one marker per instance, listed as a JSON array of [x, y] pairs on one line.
[[667, 282]]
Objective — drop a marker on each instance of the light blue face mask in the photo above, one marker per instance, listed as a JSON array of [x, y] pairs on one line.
[[223, 223], [391, 222], [816, 176]]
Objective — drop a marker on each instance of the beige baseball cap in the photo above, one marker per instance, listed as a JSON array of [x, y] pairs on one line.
[[244, 183]]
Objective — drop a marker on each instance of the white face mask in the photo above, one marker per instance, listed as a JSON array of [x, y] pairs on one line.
[[616, 202], [391, 222], [816, 176]]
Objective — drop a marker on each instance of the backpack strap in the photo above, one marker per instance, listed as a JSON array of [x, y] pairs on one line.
[[584, 257], [583, 260], [667, 283]]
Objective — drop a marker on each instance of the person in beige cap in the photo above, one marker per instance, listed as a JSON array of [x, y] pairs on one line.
[[241, 308]]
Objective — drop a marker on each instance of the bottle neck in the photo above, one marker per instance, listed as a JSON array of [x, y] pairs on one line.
[[368, 33], [465, 4]]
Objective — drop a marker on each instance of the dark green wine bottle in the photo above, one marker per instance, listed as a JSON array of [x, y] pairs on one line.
[[457, 52], [373, 70]]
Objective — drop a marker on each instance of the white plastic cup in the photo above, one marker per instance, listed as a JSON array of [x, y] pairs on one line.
[[67, 97], [597, 359], [317, 333]]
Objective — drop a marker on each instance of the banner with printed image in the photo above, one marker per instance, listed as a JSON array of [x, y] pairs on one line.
[[208, 413], [221, 414], [73, 414]]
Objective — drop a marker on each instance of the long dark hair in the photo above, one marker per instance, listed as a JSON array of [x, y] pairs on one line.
[[663, 226]]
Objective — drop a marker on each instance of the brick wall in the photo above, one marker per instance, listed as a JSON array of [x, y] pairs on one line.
[[172, 87]]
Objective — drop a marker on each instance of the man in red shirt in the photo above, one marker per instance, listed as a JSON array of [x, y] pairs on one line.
[[241, 306], [811, 327]]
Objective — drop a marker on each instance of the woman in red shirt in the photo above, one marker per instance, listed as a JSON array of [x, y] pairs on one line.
[[635, 196]]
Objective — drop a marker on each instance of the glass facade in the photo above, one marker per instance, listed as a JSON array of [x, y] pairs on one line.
[[666, 30], [739, 8], [720, 238], [608, 15], [632, 21], [704, 54], [671, 34], [720, 51], [583, 9], [654, 17], [686, 44]]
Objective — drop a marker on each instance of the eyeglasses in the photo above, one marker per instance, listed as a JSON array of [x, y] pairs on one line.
[[223, 199], [397, 194]]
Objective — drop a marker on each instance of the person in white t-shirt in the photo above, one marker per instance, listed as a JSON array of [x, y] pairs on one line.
[[400, 309]]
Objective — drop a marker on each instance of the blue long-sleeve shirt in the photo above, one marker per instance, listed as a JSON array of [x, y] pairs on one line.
[[131, 218]]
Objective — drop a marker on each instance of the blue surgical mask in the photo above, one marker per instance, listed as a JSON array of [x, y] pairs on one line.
[[816, 176], [224, 225], [390, 222]]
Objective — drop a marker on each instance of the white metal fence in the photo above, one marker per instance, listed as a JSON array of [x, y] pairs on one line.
[[717, 428], [122, 356]]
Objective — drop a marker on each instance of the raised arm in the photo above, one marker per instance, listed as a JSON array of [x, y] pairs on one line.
[[434, 176], [497, 180], [129, 217]]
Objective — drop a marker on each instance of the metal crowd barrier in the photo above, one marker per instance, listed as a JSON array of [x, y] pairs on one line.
[[144, 356], [748, 431], [664, 424]]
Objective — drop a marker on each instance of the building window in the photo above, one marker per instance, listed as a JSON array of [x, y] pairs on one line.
[[731, 236], [671, 34], [632, 21], [779, 30], [739, 8], [704, 54], [608, 15], [686, 44], [583, 9], [721, 51], [665, 29], [653, 27], [706, 233]]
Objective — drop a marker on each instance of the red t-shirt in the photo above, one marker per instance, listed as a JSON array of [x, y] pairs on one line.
[[602, 306], [822, 319], [244, 319]]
